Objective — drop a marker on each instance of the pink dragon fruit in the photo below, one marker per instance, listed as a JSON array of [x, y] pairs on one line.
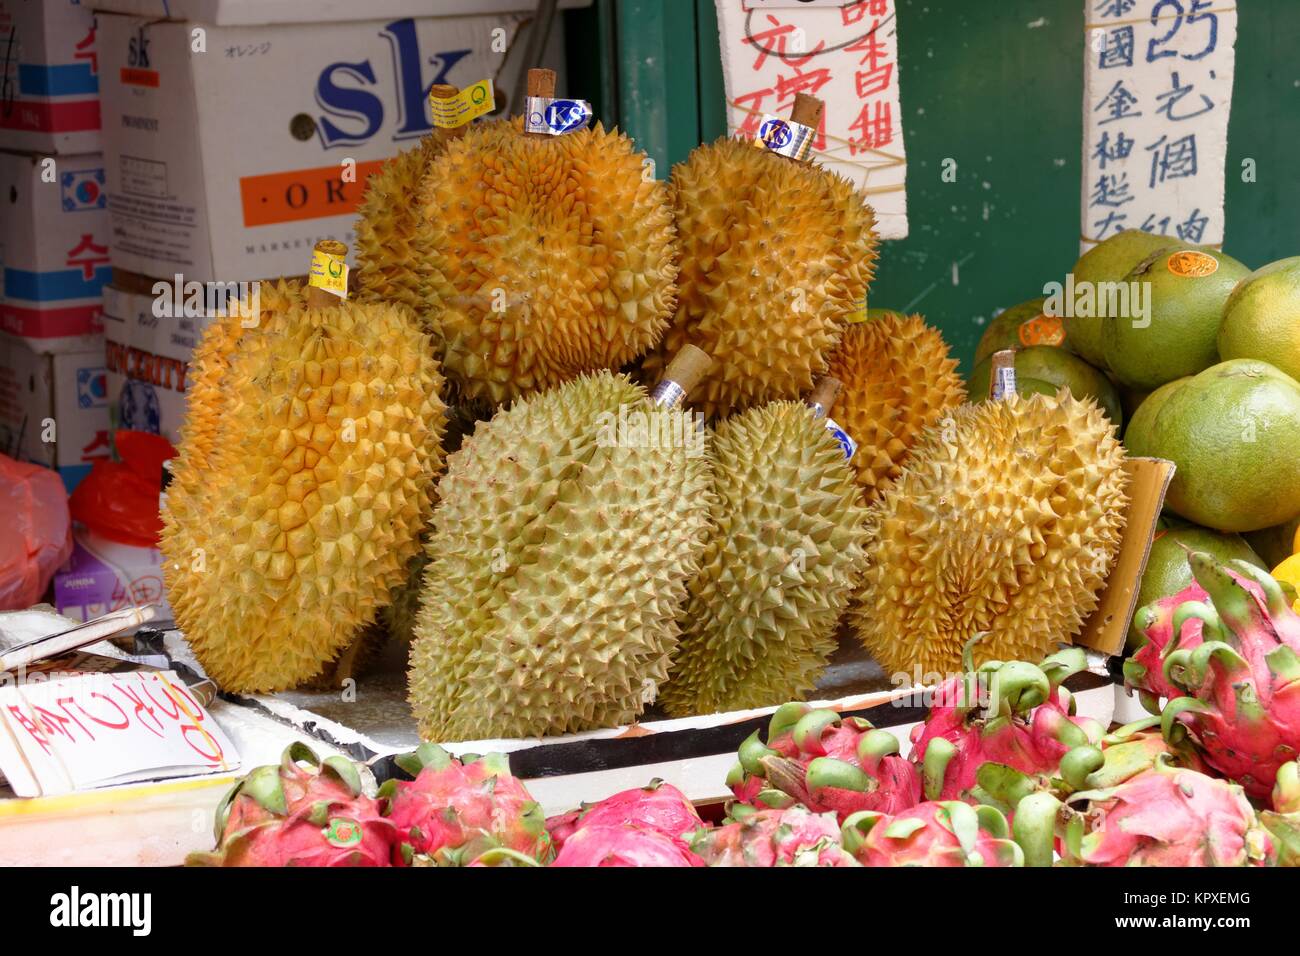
[[456, 810], [657, 806], [1144, 671], [1027, 725], [824, 762], [1244, 677], [934, 833], [624, 844], [769, 838], [305, 812], [1283, 821], [1164, 816]]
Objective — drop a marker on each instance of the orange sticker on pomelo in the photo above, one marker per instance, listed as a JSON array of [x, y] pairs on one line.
[[1192, 265], [1043, 329]]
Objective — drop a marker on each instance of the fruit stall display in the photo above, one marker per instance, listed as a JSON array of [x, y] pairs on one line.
[[590, 446]]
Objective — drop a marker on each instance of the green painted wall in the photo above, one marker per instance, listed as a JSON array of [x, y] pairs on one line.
[[996, 85]]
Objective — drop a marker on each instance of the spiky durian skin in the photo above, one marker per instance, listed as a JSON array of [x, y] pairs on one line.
[[1006, 519], [778, 569], [559, 559], [315, 491], [898, 380], [392, 235], [552, 256], [776, 256]]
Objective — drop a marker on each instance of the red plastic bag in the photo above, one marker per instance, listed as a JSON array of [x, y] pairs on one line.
[[36, 533], [119, 499]]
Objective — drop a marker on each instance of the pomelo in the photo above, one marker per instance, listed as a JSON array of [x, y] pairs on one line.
[[1138, 433], [1058, 369], [1167, 570], [1233, 431], [1184, 291], [1021, 326], [873, 314], [1261, 319], [1108, 261]]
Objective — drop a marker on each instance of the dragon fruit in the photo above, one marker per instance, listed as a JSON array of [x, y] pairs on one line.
[[624, 844], [1144, 671], [824, 762], [1244, 678], [934, 833], [657, 806], [772, 837], [1283, 821], [1164, 816], [1028, 724], [456, 810], [304, 812]]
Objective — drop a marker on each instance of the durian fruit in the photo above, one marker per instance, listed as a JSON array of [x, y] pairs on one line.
[[898, 380], [550, 255], [1005, 519], [283, 538], [560, 551], [776, 257], [778, 569], [392, 235]]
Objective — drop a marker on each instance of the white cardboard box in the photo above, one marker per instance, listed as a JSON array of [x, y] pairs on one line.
[[53, 250], [147, 359], [53, 408], [227, 164], [50, 76]]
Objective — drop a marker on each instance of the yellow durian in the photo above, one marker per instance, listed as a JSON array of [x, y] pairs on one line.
[[550, 256], [295, 508], [898, 380], [1006, 518], [776, 257]]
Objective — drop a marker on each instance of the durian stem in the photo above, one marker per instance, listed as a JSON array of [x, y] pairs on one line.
[[318, 298], [541, 82], [807, 110], [445, 91], [683, 373], [1002, 375], [823, 395]]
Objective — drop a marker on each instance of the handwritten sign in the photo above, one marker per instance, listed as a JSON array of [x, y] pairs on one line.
[[1158, 90], [79, 731], [844, 53]]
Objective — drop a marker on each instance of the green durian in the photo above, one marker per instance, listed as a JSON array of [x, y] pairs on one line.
[[560, 552], [779, 568]]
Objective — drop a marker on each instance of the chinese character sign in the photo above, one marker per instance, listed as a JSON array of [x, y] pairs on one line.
[[1158, 89], [845, 54]]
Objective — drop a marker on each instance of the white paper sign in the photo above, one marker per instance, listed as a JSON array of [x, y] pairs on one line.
[[845, 55], [1157, 93], [59, 734]]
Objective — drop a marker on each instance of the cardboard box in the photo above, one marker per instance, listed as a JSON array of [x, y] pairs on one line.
[[227, 164], [53, 250], [50, 76], [53, 408], [147, 357], [103, 576]]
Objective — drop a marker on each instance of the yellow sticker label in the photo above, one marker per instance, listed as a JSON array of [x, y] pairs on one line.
[[1043, 329], [329, 272], [859, 313], [1193, 265], [467, 105]]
